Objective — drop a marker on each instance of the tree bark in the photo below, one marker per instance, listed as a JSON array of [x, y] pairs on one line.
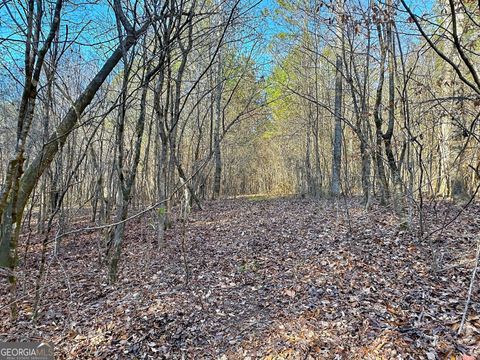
[[338, 132]]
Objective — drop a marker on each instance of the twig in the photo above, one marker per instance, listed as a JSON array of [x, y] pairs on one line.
[[453, 266], [470, 289]]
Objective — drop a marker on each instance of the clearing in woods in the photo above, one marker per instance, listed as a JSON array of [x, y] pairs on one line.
[[274, 278]]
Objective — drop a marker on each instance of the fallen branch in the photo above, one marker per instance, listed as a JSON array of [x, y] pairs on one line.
[[470, 289]]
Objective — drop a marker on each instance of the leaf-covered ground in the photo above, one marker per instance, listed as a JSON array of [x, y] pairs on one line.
[[267, 278]]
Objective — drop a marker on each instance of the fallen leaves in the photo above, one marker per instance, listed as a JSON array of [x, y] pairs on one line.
[[290, 293], [281, 278]]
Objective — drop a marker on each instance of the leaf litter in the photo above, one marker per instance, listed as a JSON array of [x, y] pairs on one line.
[[272, 278]]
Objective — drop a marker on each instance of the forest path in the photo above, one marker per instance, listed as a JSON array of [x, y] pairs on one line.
[[267, 277]]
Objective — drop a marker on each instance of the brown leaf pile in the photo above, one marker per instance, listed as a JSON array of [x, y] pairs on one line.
[[273, 279]]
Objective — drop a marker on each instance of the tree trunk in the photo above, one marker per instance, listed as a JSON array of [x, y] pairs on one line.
[[338, 134], [218, 123]]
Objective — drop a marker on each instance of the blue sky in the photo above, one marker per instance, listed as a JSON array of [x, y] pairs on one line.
[[101, 19]]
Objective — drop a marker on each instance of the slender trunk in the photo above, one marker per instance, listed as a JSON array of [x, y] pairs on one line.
[[366, 172], [388, 136], [378, 155], [127, 180], [218, 123], [338, 133]]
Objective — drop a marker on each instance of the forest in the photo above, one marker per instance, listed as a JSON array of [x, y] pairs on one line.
[[240, 179]]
